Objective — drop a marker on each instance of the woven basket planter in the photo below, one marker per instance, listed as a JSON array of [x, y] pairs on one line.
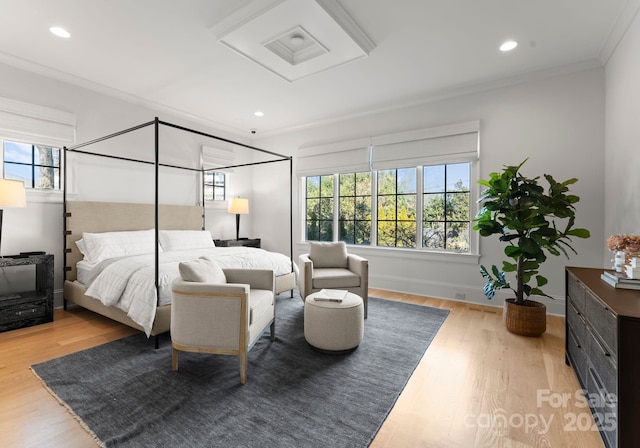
[[528, 319]]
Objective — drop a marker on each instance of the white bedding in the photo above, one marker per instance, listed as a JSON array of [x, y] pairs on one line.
[[128, 282]]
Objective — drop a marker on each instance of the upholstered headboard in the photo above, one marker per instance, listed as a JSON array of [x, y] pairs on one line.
[[87, 216]]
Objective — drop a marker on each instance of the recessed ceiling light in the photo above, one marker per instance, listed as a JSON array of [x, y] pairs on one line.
[[508, 45], [258, 113], [60, 32]]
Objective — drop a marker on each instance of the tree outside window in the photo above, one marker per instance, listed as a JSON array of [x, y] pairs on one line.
[[214, 186], [354, 220], [36, 165], [445, 194], [396, 194], [319, 217], [446, 207]]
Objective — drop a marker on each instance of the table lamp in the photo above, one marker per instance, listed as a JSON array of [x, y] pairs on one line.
[[12, 194], [239, 206]]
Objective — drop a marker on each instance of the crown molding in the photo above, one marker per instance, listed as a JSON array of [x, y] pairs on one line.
[[625, 18]]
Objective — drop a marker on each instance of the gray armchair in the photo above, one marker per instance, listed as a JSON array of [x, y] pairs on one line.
[[220, 311], [329, 266]]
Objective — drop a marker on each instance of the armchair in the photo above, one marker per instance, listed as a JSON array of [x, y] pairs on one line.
[[220, 311], [329, 266]]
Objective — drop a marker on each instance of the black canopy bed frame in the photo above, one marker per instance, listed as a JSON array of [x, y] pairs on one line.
[[88, 216]]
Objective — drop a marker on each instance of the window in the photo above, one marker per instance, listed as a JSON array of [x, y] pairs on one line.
[[446, 207], [214, 186], [354, 219], [396, 194], [37, 166], [410, 189], [319, 208], [431, 201]]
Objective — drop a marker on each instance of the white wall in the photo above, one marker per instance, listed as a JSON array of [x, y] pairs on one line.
[[557, 122], [622, 161]]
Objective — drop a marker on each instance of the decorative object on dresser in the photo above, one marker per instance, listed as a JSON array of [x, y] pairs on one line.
[[602, 334], [533, 223], [27, 308], [244, 242], [239, 206], [12, 194], [625, 247]]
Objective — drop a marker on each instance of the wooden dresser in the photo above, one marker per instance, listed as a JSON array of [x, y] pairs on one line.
[[603, 347]]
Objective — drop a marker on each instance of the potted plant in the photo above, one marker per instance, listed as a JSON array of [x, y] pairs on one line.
[[532, 223]]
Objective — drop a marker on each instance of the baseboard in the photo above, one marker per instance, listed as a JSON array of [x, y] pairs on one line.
[[459, 293]]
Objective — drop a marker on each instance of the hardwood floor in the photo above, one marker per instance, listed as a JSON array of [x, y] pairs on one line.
[[476, 386]]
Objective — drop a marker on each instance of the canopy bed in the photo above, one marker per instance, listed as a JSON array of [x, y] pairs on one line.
[[120, 257]]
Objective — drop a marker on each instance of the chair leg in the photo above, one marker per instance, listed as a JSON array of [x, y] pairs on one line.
[[273, 331], [243, 367], [174, 359]]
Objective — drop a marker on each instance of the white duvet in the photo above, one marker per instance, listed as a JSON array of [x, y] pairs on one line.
[[128, 282]]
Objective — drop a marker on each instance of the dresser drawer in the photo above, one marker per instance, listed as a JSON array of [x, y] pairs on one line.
[[576, 291], [601, 361], [603, 321], [604, 406], [576, 321], [577, 355]]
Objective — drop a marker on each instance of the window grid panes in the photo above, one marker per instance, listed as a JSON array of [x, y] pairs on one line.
[[396, 194], [214, 186], [36, 165], [319, 207], [354, 219], [446, 207]]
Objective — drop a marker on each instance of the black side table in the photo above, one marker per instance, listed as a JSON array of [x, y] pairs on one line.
[[246, 242], [27, 308]]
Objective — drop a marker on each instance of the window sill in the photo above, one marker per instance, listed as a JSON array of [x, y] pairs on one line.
[[216, 205], [407, 254], [47, 196]]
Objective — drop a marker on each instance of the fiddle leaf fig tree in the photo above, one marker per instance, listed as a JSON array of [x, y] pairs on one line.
[[531, 222]]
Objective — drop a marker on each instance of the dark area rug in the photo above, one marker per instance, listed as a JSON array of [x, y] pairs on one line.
[[126, 394]]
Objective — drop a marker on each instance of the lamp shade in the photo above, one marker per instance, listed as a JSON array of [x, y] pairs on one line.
[[239, 206], [12, 193]]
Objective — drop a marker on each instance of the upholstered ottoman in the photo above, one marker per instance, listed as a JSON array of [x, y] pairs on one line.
[[334, 327]]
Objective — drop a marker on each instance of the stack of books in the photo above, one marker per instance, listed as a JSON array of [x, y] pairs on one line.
[[620, 280]]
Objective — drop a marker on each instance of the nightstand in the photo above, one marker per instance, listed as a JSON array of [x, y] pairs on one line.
[[27, 308], [246, 242]]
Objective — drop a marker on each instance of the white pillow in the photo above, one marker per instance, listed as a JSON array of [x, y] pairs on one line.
[[185, 239], [99, 246], [81, 247], [202, 270]]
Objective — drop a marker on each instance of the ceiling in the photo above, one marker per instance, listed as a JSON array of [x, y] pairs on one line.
[[171, 54]]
